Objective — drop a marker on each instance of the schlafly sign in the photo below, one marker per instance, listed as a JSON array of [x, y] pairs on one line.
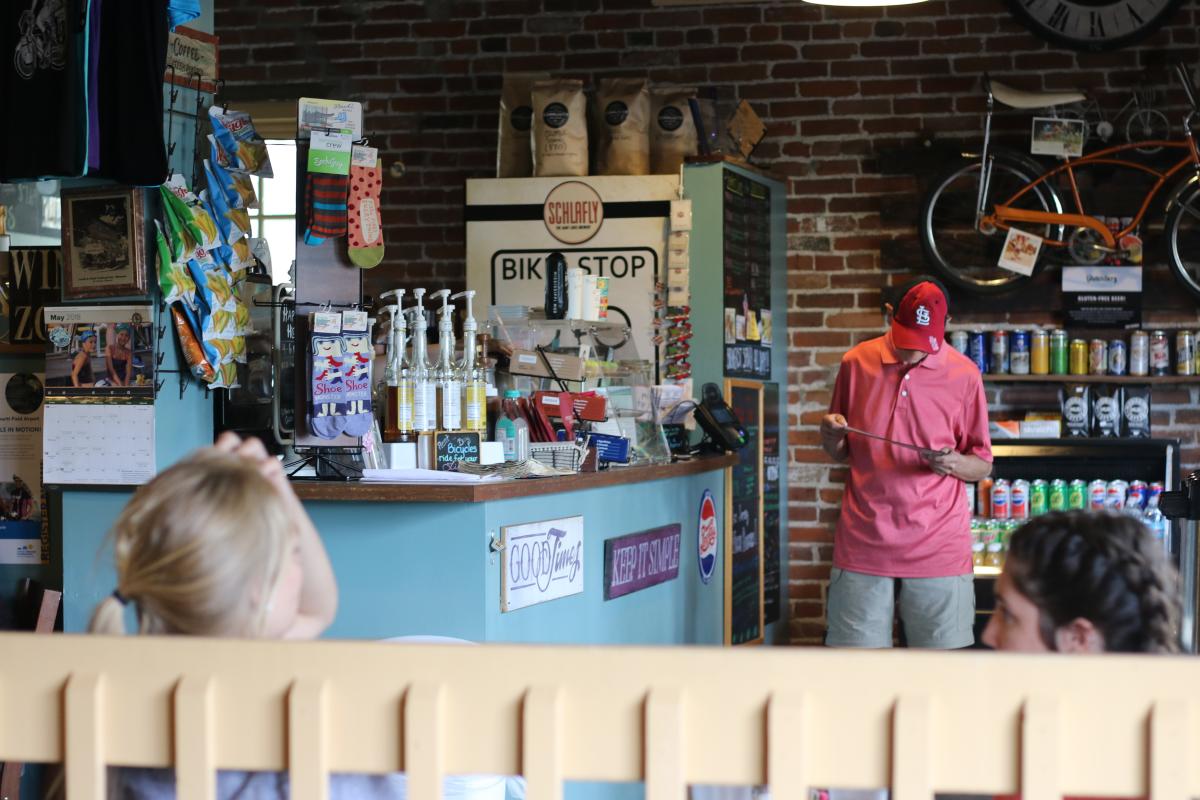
[[542, 561], [641, 560]]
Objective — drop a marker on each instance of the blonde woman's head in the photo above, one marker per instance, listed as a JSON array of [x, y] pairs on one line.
[[199, 551]]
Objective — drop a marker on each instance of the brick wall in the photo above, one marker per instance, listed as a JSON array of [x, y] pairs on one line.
[[856, 102]]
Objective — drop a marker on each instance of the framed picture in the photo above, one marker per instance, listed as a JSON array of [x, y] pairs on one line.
[[104, 243]]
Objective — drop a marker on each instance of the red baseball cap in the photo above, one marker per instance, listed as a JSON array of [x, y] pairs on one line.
[[920, 321]]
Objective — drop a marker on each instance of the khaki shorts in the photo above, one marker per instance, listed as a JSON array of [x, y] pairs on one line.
[[937, 613]]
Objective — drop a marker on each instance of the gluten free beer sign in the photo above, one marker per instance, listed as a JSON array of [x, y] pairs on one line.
[[573, 212]]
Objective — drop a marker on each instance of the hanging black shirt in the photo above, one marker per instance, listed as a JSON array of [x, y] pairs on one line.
[[43, 88]]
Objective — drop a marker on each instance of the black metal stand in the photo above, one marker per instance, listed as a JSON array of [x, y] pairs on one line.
[[325, 466]]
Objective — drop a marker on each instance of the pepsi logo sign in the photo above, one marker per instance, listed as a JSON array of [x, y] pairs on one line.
[[706, 537]]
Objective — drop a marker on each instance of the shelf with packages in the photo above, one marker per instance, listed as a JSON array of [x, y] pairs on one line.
[[989, 377]]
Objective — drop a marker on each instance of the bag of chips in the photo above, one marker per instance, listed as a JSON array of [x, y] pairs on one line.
[[241, 146]]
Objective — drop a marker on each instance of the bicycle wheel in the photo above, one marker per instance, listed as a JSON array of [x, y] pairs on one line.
[[1147, 125], [1182, 235], [954, 247]]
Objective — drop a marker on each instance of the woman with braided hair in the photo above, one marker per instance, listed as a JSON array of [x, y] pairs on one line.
[[1085, 582]]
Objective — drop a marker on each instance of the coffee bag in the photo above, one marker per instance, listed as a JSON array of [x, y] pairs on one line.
[[621, 121], [672, 130], [1135, 412], [1106, 410], [1076, 410], [514, 153], [560, 137]]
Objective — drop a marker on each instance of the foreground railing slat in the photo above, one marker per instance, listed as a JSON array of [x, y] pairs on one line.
[[1170, 749], [917, 722], [541, 743], [195, 751], [84, 714]]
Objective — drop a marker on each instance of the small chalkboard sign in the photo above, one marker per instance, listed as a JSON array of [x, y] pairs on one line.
[[451, 447]]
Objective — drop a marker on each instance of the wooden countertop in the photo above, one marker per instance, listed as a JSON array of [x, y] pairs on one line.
[[363, 491]]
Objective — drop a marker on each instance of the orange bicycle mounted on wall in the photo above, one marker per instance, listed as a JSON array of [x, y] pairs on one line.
[[969, 210]]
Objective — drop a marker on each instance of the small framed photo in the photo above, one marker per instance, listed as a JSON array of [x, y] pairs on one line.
[[1054, 136], [104, 243]]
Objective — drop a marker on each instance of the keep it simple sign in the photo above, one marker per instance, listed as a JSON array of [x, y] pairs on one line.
[[641, 560], [542, 561]]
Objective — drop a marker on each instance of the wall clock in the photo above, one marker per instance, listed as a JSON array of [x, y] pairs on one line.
[[1093, 24]]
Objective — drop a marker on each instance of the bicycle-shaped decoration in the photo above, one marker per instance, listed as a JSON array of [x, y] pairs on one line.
[[968, 212], [1140, 122]]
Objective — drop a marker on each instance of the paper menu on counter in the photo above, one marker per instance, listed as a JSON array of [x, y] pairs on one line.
[[111, 443]]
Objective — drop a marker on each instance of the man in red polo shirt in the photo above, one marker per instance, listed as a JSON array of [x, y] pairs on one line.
[[904, 531]]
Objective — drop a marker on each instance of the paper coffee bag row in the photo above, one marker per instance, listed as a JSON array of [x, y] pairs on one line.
[[634, 129]]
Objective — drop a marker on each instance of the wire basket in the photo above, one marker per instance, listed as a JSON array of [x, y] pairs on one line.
[[560, 455]]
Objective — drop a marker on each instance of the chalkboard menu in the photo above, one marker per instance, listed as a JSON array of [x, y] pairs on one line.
[[743, 496], [451, 447], [772, 491], [749, 329]]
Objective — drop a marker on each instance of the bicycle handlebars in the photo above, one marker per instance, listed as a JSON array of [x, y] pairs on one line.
[[1188, 87]]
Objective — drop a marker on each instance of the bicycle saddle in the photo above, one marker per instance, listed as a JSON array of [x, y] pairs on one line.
[[1017, 98]]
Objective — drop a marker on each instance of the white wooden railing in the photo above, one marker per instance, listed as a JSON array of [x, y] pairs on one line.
[[916, 722]]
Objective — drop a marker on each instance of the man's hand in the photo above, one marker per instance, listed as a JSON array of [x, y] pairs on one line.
[[947, 461], [833, 436]]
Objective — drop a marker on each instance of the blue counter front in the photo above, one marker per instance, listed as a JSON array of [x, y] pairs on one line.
[[418, 560]]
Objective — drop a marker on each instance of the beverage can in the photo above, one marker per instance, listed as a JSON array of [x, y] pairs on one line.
[[1018, 352], [1196, 354], [961, 341], [1185, 352], [1077, 493], [1079, 357], [1137, 495], [1059, 359], [1097, 494], [1153, 492], [1117, 357], [978, 347], [1058, 495], [1098, 357], [1139, 353], [1001, 508], [999, 360], [1018, 500], [1039, 352], [1160, 353], [983, 497], [1117, 494], [1039, 497]]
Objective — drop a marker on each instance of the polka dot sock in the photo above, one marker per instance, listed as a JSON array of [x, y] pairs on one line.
[[365, 233]]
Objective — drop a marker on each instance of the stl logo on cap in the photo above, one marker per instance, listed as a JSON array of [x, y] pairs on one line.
[[920, 321]]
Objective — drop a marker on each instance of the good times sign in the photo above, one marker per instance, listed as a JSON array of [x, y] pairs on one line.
[[542, 561]]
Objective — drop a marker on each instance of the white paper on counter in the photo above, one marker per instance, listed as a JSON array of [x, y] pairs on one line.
[[98, 443], [422, 476]]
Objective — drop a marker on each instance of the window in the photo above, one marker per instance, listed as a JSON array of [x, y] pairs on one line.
[[275, 217]]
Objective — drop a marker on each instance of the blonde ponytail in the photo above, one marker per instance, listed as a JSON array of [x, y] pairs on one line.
[[199, 550], [108, 618]]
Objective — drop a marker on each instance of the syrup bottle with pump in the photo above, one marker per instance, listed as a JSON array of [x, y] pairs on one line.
[[470, 375], [424, 386], [398, 424], [449, 389]]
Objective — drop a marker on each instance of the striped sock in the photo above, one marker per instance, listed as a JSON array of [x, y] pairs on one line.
[[325, 204]]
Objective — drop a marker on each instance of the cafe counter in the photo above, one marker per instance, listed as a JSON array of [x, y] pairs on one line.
[[434, 559]]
